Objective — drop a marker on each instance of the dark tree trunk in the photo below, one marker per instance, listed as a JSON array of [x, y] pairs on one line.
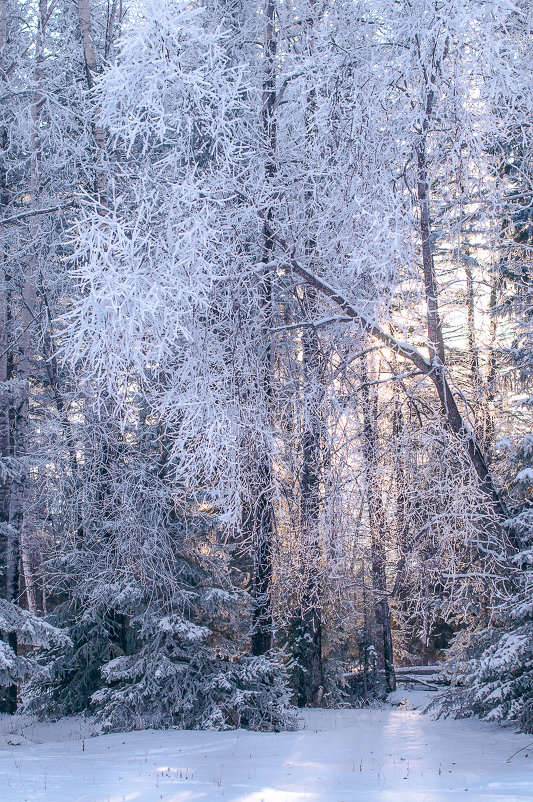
[[263, 528], [450, 411], [91, 69], [5, 361], [261, 514], [310, 679], [378, 538], [23, 354], [8, 550]]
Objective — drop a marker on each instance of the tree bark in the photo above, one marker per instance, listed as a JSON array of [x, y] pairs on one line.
[[91, 69], [434, 325], [262, 511], [24, 351], [490, 427], [5, 437], [311, 678], [10, 702], [399, 590], [3, 29], [378, 537]]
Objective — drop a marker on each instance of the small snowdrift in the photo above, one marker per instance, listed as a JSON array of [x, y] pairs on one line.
[[28, 731], [394, 754]]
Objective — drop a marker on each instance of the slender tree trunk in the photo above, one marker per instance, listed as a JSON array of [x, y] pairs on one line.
[[450, 411], [473, 354], [3, 29], [113, 11], [30, 580], [378, 537], [434, 325], [24, 351], [311, 679], [262, 512], [5, 436], [489, 433], [5, 401], [399, 589], [91, 69]]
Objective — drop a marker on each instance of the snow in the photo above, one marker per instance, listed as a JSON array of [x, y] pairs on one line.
[[525, 476], [392, 754]]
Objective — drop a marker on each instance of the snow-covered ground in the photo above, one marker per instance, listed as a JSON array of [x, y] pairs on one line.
[[394, 754]]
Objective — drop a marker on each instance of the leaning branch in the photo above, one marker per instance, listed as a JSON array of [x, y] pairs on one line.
[[434, 369], [312, 324], [32, 213], [369, 327]]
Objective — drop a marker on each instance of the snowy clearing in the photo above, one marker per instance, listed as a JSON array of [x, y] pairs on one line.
[[394, 754]]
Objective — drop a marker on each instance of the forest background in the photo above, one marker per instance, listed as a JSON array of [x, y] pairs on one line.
[[265, 356]]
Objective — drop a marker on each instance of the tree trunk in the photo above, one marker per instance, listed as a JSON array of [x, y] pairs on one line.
[[263, 528], [262, 511], [23, 351], [473, 353], [399, 590], [492, 369], [3, 29], [311, 679], [5, 435], [378, 537], [7, 539], [91, 69], [451, 415]]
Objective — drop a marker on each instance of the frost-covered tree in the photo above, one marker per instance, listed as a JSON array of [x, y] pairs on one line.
[[163, 246], [491, 668], [42, 137], [152, 617], [263, 423], [32, 633]]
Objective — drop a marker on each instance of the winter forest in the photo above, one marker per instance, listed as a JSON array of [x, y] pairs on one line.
[[266, 349]]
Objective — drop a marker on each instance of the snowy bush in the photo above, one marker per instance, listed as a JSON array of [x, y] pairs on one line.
[[31, 632], [177, 679]]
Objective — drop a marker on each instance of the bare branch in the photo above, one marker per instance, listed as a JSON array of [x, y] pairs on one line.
[[32, 213]]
